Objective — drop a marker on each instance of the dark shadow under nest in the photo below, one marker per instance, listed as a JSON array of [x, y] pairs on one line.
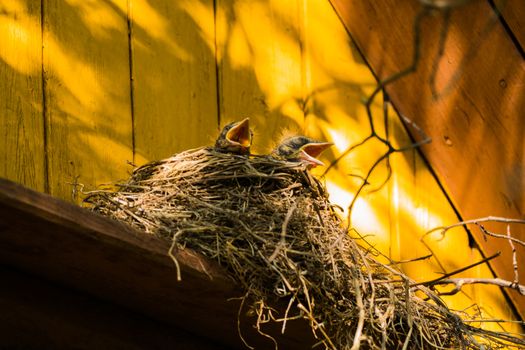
[[271, 225]]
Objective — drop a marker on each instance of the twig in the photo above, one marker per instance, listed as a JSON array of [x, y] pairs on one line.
[[497, 235], [460, 282], [410, 260], [239, 312], [361, 312], [292, 299], [282, 241], [514, 257], [318, 326], [446, 275], [175, 261], [444, 229]]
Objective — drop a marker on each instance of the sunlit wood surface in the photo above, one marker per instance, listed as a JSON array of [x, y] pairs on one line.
[[21, 108], [173, 76], [87, 93], [513, 12], [477, 121], [100, 83]]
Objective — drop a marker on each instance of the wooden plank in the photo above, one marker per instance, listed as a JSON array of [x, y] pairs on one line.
[[174, 76], [21, 121], [37, 314], [73, 247], [478, 126], [335, 113], [260, 66], [394, 218], [418, 204], [513, 12], [89, 127]]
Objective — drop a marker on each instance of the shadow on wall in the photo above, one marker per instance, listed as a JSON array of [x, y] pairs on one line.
[[97, 112], [139, 80]]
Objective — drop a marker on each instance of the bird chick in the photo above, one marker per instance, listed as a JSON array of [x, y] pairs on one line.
[[235, 138], [301, 149]]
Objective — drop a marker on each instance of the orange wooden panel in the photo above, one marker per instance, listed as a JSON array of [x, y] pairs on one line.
[[87, 93], [21, 117], [478, 125], [513, 12], [174, 76], [260, 66]]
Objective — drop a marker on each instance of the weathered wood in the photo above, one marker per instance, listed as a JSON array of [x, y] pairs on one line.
[[282, 63], [418, 204], [37, 314], [477, 127], [513, 12], [260, 69], [87, 95], [21, 117], [394, 218], [174, 76], [73, 247]]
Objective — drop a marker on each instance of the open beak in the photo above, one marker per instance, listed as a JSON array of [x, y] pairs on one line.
[[240, 134], [311, 151]]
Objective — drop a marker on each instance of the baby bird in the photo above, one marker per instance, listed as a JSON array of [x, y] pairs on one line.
[[235, 138], [301, 149]]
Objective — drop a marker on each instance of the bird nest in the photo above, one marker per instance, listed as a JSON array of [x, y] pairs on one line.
[[270, 224]]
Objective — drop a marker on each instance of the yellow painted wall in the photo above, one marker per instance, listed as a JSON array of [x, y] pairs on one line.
[[88, 86]]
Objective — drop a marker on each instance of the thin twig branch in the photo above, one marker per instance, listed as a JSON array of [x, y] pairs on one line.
[[284, 227], [460, 282], [455, 272], [444, 229]]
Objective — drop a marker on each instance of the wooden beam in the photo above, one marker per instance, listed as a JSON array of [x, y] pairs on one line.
[[38, 314], [71, 246], [477, 125]]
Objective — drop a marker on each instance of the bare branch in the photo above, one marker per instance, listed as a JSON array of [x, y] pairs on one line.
[[514, 257], [446, 275], [460, 282], [282, 242], [444, 229], [411, 260]]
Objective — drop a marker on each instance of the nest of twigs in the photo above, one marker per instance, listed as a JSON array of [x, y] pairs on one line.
[[271, 225]]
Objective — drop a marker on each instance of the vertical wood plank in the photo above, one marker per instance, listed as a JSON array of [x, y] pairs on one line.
[[513, 12], [260, 66], [477, 125], [422, 205], [336, 82], [87, 93], [394, 218], [21, 117], [174, 76]]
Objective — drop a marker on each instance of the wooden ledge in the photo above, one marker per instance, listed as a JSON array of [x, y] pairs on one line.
[[78, 250]]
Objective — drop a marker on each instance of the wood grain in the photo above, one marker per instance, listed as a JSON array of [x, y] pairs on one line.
[[70, 246], [37, 314], [260, 67], [395, 216], [513, 12], [174, 77], [477, 127], [21, 116], [88, 114]]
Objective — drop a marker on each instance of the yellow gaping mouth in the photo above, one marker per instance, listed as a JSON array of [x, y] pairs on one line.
[[310, 151], [240, 134]]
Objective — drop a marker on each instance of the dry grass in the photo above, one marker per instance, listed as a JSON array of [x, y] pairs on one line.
[[270, 224]]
